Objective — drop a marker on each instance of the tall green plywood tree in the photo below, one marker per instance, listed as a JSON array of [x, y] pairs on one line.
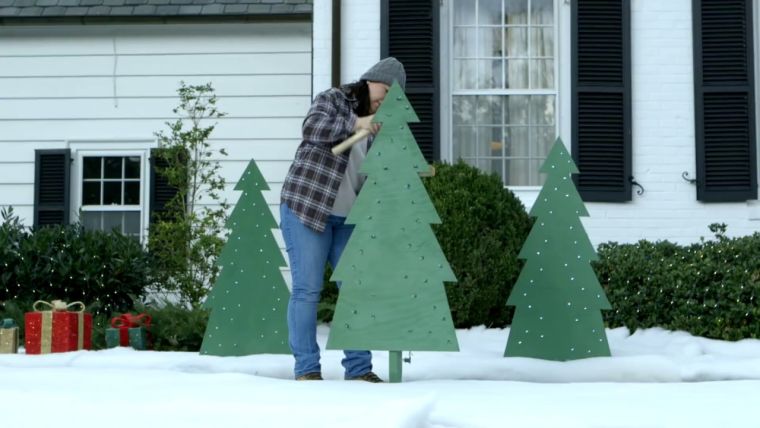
[[557, 296], [249, 300], [393, 269]]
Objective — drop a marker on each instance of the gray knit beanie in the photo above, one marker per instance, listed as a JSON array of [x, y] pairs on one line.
[[386, 71]]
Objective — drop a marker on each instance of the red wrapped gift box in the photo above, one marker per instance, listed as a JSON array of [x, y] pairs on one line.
[[58, 329]]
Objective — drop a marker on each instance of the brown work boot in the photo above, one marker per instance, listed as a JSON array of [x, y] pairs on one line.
[[310, 376], [367, 377]]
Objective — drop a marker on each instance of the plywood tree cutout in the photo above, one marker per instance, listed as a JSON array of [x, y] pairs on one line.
[[249, 300], [393, 269], [557, 296]]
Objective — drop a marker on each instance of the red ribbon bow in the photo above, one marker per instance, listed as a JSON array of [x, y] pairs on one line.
[[129, 321]]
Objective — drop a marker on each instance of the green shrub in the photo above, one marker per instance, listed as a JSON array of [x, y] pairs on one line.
[[483, 228], [709, 289], [176, 327], [106, 271]]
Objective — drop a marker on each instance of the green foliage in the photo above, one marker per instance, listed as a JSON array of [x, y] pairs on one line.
[[174, 327], [187, 237], [106, 271], [483, 228], [709, 289]]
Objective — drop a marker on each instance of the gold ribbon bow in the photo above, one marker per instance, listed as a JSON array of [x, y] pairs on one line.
[[46, 339]]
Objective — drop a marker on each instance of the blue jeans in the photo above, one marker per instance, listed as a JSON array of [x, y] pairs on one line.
[[308, 252]]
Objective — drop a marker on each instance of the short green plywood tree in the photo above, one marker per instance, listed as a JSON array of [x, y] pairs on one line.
[[393, 269], [249, 300], [557, 296]]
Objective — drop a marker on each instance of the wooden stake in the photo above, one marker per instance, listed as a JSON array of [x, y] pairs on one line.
[[394, 366]]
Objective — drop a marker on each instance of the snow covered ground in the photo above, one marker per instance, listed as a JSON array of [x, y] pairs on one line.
[[656, 378]]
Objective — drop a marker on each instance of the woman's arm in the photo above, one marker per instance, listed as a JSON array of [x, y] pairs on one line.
[[324, 125]]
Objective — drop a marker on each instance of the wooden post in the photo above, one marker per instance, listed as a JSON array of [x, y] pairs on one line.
[[394, 365]]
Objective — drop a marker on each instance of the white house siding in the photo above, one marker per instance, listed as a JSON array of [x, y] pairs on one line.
[[109, 88], [664, 139]]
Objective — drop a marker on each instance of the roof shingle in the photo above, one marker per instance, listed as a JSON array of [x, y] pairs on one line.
[[30, 9]]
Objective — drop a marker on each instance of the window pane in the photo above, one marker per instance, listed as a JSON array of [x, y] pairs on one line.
[[490, 142], [541, 12], [132, 223], [132, 167], [516, 42], [112, 167], [517, 172], [91, 167], [489, 12], [516, 110], [490, 74], [489, 42], [486, 165], [464, 42], [464, 12], [464, 141], [517, 141], [542, 42], [542, 74], [132, 193], [91, 193], [112, 193], [536, 178], [464, 109], [542, 139], [517, 74], [515, 12], [542, 110], [464, 74], [490, 110]]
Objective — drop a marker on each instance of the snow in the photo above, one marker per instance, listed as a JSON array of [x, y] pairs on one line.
[[655, 378]]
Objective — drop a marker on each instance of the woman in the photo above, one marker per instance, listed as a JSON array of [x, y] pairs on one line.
[[317, 195]]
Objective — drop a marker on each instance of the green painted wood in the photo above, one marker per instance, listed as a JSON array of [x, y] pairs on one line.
[[557, 296], [393, 269], [249, 300], [394, 368]]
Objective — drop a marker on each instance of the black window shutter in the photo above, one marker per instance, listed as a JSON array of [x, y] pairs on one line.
[[161, 192], [409, 32], [601, 99], [724, 94], [52, 172]]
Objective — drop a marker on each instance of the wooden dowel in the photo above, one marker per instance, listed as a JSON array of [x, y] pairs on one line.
[[350, 141]]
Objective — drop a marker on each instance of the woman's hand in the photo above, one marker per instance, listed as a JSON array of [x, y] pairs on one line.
[[365, 122]]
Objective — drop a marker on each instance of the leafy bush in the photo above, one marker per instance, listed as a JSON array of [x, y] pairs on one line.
[[709, 289], [104, 270], [483, 228], [187, 236]]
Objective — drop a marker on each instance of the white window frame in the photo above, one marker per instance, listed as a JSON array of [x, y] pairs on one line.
[[100, 148], [561, 84]]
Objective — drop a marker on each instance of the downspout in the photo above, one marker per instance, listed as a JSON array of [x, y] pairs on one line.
[[335, 51]]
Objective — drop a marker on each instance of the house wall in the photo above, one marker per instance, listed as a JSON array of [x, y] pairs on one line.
[[663, 132], [664, 139], [107, 89]]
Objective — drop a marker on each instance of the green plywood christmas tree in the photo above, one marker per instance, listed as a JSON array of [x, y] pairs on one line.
[[393, 269], [249, 300], [557, 296]]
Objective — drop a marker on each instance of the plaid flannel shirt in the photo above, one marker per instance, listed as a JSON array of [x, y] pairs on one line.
[[315, 175]]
